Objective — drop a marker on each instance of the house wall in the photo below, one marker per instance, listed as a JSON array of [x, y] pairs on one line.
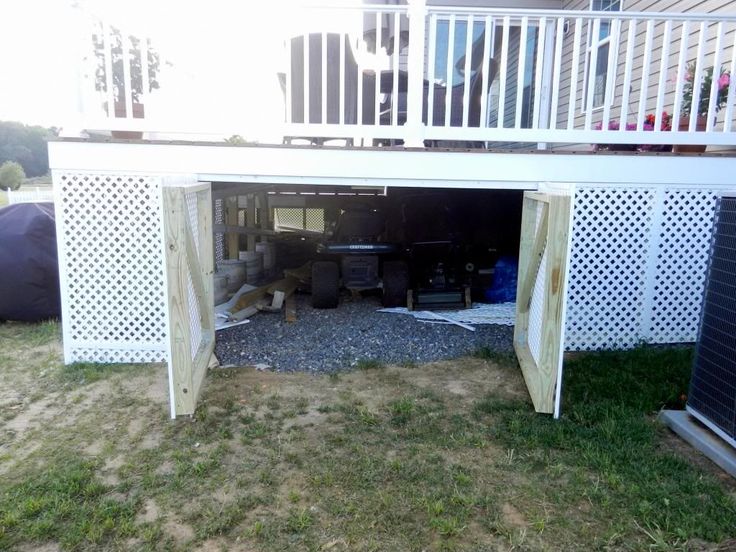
[[675, 6]]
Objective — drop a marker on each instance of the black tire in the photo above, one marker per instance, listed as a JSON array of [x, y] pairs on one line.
[[395, 283], [325, 285]]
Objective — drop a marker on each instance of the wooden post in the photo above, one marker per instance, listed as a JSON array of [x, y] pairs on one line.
[[250, 220], [231, 206], [178, 300], [264, 215]]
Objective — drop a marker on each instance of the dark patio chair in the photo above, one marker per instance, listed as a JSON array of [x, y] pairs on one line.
[[348, 72]]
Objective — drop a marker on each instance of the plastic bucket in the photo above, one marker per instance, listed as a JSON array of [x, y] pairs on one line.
[[235, 272], [269, 255], [220, 288], [253, 265]]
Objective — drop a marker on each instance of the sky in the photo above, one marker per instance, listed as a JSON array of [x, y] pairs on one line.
[[222, 57]]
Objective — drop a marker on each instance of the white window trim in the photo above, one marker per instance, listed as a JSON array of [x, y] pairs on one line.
[[589, 46]]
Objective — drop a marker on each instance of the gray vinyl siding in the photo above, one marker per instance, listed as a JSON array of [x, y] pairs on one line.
[[676, 6]]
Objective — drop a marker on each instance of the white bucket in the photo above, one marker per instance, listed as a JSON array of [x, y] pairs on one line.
[[220, 288], [253, 265], [269, 255], [235, 271]]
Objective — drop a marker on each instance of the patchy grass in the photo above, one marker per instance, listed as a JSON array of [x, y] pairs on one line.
[[442, 456]]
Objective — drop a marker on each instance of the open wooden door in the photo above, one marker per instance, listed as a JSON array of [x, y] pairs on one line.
[[540, 296], [187, 221]]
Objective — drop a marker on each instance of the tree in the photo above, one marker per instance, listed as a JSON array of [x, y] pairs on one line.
[[11, 175], [25, 145]]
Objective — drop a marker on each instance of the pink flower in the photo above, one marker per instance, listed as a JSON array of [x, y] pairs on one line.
[[688, 77], [724, 81]]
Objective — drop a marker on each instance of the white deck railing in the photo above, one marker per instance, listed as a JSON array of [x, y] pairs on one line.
[[472, 76]]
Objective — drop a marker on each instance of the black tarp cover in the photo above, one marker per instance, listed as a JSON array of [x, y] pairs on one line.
[[29, 271]]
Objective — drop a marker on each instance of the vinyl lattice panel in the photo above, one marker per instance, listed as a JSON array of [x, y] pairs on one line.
[[110, 261], [682, 262], [637, 265]]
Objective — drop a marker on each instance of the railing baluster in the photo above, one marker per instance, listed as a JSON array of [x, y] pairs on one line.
[[714, 81], [610, 91], [288, 80], [681, 61], [592, 69], [466, 69], [109, 87], [396, 55], [323, 84], [487, 31], [541, 41], [341, 80], [697, 79], [307, 118], [628, 68], [144, 69], [126, 75], [431, 67], [574, 70], [555, 105], [521, 70], [731, 98], [645, 69], [663, 65], [450, 69], [502, 69], [377, 97], [359, 102]]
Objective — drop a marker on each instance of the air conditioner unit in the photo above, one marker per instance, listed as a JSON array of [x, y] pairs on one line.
[[712, 397]]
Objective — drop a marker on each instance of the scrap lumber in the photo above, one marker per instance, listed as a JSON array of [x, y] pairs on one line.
[[303, 273], [290, 308]]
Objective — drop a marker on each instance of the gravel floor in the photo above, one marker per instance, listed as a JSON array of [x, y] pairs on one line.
[[337, 339]]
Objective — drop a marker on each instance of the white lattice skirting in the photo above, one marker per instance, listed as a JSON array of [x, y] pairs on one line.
[[109, 235], [637, 265]]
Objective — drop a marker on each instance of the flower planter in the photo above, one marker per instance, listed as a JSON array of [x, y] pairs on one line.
[[684, 126]]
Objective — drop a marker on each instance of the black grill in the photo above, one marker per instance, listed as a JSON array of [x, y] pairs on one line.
[[713, 385]]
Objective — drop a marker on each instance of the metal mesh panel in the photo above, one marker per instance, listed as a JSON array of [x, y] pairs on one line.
[[195, 321], [219, 237], [536, 306], [292, 217], [109, 234], [315, 220], [713, 385], [637, 265]]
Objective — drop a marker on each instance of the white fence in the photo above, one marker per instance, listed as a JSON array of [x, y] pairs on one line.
[[37, 195], [431, 74]]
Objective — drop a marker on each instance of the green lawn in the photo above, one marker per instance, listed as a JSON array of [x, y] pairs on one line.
[[442, 456]]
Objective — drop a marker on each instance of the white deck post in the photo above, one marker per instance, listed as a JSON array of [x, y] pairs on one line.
[[415, 91]]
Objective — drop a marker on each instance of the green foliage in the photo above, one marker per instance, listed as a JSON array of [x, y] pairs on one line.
[[607, 430], [25, 145], [63, 502], [11, 175]]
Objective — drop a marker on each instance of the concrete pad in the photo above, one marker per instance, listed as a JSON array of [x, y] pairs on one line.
[[701, 438]]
